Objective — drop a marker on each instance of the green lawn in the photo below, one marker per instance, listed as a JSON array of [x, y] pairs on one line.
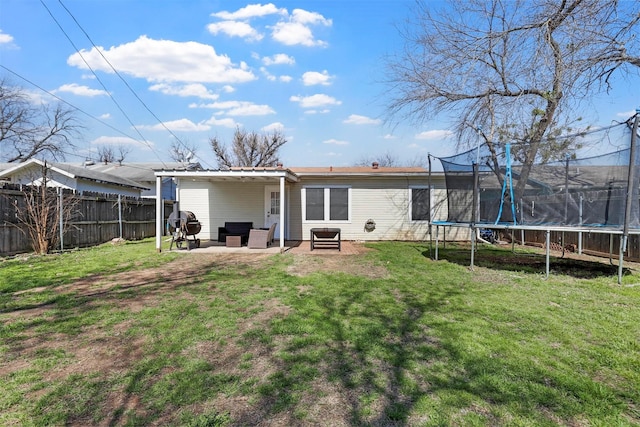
[[122, 335]]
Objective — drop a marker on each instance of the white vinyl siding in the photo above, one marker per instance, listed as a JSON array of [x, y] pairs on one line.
[[384, 200]]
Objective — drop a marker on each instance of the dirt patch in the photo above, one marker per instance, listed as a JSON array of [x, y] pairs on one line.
[[533, 259], [304, 265], [110, 352]]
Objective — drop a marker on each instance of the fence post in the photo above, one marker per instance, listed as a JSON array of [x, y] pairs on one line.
[[120, 214]]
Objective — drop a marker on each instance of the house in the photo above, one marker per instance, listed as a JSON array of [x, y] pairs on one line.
[[77, 178], [144, 174], [366, 203]]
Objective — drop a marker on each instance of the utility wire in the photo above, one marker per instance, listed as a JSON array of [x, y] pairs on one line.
[[67, 103], [117, 73], [101, 83]]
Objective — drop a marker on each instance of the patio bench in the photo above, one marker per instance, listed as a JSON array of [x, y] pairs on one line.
[[234, 228], [325, 238]]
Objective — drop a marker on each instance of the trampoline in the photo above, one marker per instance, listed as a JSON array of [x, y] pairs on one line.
[[487, 190]]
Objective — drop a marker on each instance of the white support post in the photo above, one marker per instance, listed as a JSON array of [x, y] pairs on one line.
[[159, 217], [283, 218], [61, 212]]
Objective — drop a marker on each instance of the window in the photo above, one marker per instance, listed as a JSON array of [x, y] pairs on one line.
[[327, 204], [420, 204], [315, 204]]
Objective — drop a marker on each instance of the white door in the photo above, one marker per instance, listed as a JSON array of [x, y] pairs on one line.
[[272, 207]]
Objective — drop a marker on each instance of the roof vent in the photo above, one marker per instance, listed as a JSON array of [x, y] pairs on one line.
[[279, 165], [375, 165]]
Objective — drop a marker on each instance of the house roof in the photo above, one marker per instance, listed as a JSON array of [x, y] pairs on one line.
[[294, 173], [141, 172], [75, 172], [358, 171]]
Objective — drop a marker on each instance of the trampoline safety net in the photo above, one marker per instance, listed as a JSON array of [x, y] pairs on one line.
[[580, 192]]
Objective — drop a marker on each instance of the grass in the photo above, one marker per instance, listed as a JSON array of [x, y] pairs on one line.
[[428, 343]]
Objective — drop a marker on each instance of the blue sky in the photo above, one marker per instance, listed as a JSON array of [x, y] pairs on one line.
[[313, 69]]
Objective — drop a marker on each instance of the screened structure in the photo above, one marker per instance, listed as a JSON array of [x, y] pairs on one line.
[[578, 193]]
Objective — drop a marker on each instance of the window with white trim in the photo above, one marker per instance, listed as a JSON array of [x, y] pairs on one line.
[[420, 203], [327, 203]]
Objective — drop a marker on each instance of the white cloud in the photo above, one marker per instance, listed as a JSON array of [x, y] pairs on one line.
[[182, 125], [389, 136], [165, 61], [293, 33], [105, 116], [250, 11], [267, 74], [284, 78], [79, 90], [5, 38], [311, 78], [297, 31], [235, 29], [227, 122], [305, 17], [356, 119], [250, 109], [194, 89], [310, 112], [278, 59], [273, 127], [626, 114], [120, 140], [335, 142], [434, 134], [314, 101], [238, 108]]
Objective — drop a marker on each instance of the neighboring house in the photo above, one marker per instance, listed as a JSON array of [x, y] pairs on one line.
[[144, 174], [77, 178], [366, 203]]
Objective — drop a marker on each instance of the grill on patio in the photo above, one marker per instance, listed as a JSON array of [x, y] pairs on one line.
[[181, 225]]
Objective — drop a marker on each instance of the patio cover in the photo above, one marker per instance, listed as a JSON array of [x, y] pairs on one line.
[[238, 173]]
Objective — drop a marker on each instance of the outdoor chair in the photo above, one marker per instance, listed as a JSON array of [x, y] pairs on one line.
[[261, 238]]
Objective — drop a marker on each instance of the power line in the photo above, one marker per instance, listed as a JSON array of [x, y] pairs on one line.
[[69, 104], [117, 73], [101, 83]]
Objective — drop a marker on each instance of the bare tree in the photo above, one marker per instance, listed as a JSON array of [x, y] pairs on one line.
[[28, 130], [110, 154], [182, 152], [38, 213], [249, 149], [495, 63], [387, 159], [390, 159]]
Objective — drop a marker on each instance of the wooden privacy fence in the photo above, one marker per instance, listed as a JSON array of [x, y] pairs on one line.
[[95, 218]]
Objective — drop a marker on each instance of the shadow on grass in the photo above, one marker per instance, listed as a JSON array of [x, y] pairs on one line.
[[379, 352], [529, 262], [382, 355]]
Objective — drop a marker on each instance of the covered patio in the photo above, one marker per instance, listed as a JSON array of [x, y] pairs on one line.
[[256, 195]]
